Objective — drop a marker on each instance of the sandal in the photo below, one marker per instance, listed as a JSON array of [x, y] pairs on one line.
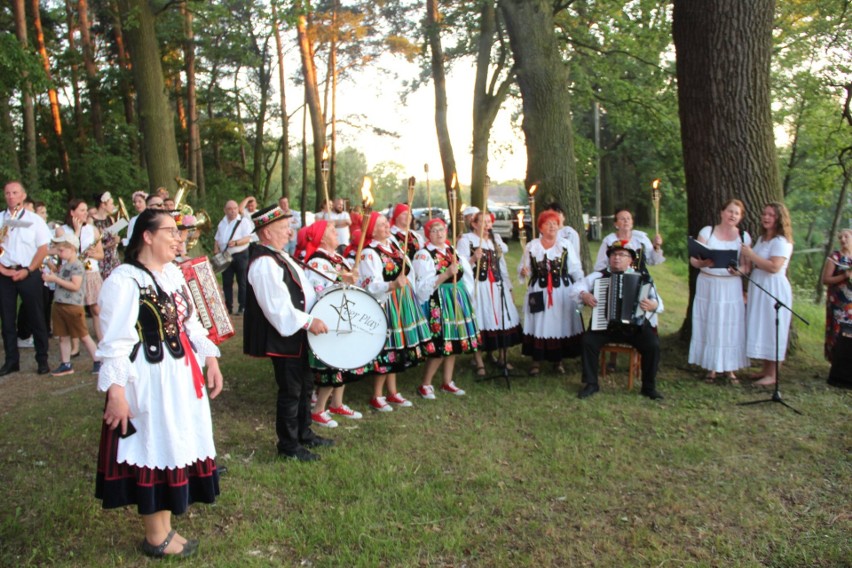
[[535, 371], [710, 378], [149, 549], [732, 378], [480, 371]]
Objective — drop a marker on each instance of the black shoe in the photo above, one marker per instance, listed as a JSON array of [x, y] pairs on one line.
[[222, 470], [301, 455], [10, 368], [43, 369], [588, 391], [241, 311], [75, 355], [317, 442], [652, 394]]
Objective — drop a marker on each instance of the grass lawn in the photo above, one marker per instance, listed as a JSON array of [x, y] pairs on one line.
[[527, 476]]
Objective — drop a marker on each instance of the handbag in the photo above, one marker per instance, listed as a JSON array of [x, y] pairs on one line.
[[536, 302]]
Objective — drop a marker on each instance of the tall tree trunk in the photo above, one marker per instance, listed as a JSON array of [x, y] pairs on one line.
[[31, 157], [180, 109], [55, 111], [125, 83], [548, 130], [155, 115], [724, 50], [303, 201], [91, 73], [285, 126], [445, 146], [192, 165], [265, 80], [8, 153], [488, 96], [79, 126], [312, 99], [215, 144], [238, 107]]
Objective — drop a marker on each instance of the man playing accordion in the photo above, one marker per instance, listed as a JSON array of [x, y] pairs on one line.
[[639, 332]]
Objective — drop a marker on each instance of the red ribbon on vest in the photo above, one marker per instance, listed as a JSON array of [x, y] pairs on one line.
[[189, 356]]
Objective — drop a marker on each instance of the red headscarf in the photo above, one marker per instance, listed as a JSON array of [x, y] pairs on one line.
[[301, 241], [427, 228], [313, 237], [354, 241], [397, 211], [371, 225]]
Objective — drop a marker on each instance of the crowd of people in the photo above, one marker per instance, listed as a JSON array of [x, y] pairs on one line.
[[436, 299]]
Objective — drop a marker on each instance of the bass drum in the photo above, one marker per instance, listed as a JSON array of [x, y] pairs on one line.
[[357, 328]]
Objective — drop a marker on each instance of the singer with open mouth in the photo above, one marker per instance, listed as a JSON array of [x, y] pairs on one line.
[[718, 311]]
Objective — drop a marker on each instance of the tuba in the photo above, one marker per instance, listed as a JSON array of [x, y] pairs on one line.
[[202, 219]]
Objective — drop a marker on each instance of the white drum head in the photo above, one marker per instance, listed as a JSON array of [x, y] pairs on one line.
[[357, 328]]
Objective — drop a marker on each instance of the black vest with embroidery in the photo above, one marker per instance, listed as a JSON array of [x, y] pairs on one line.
[[336, 261], [443, 260], [157, 325], [392, 260], [557, 268], [490, 261], [413, 243], [260, 338]]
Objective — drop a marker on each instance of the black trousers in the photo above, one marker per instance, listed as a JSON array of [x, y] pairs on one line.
[[237, 269], [293, 412], [32, 295], [642, 338]]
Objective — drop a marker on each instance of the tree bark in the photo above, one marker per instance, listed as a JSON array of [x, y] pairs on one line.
[[195, 162], [285, 122], [439, 79], [264, 76], [157, 122], [312, 99], [30, 172], [332, 71], [55, 111], [124, 82], [548, 130], [724, 50], [8, 153], [488, 96], [79, 121], [92, 82]]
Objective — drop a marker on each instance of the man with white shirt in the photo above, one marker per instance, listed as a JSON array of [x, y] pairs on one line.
[[341, 221], [277, 324], [234, 234], [640, 334], [25, 239], [295, 222]]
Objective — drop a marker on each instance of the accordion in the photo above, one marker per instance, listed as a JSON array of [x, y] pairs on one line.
[[618, 298], [204, 289]]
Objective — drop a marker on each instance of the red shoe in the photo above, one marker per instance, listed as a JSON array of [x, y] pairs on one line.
[[323, 419], [452, 389], [399, 400], [380, 404], [346, 412]]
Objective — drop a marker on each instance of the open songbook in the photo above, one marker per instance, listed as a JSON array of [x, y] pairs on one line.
[[721, 258], [840, 265]]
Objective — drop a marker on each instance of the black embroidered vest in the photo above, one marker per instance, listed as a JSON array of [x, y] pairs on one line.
[[260, 338], [557, 268]]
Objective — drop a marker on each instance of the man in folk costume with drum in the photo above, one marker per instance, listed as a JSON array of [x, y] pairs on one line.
[[234, 234], [641, 335], [277, 322]]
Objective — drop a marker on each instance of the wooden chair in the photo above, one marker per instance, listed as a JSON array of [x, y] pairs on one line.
[[635, 359]]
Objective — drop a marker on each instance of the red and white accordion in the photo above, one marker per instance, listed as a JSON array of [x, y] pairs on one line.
[[204, 289]]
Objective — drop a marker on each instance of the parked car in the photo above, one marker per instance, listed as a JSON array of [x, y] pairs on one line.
[[503, 222], [421, 215]]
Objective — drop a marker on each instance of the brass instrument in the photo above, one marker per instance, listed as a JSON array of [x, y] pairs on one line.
[[122, 210], [203, 222]]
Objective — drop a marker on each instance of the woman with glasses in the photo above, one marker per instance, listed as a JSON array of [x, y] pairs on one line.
[[156, 449]]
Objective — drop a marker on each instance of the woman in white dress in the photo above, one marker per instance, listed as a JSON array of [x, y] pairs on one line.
[[718, 310], [496, 314], [649, 253], [769, 260], [91, 251], [553, 328], [156, 448]]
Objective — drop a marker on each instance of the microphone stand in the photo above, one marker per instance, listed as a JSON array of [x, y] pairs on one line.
[[776, 394], [504, 350]]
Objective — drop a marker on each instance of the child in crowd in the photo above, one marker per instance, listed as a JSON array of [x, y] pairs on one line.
[[69, 316]]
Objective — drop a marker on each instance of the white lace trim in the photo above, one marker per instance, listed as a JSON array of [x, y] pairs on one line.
[[205, 348], [115, 371]]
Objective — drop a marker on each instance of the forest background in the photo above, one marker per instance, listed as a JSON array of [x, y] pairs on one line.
[[241, 97]]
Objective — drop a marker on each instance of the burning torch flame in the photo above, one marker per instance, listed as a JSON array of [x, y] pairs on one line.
[[656, 183], [325, 154], [366, 196], [455, 183], [521, 220], [533, 188]]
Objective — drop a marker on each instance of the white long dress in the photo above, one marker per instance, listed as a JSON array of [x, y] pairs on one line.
[[638, 239], [173, 425], [553, 333], [718, 313], [497, 329], [760, 312]]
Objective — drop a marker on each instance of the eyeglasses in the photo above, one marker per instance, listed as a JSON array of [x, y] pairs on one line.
[[172, 230]]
